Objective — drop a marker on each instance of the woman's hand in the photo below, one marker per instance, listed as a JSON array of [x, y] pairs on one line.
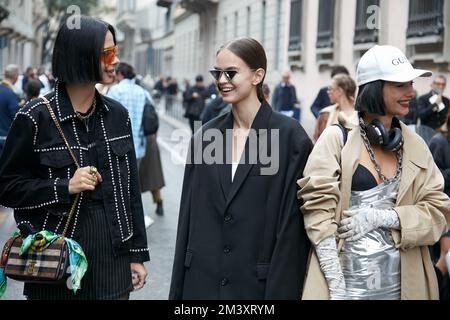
[[359, 222], [84, 180], [139, 275]]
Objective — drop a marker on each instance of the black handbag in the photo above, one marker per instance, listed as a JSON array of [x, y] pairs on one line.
[[150, 120]]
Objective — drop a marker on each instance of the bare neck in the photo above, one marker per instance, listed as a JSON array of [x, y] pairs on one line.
[[81, 96], [345, 104], [245, 112]]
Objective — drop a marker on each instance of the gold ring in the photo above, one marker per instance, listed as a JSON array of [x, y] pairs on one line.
[[93, 170]]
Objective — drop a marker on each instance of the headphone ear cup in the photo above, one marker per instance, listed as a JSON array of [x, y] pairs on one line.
[[395, 139], [376, 132]]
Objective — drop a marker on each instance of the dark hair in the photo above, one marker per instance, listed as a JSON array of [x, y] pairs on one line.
[[199, 78], [77, 52], [339, 69], [370, 98], [253, 54], [126, 70], [33, 88]]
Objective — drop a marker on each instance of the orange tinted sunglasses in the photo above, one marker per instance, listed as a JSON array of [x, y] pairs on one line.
[[109, 54]]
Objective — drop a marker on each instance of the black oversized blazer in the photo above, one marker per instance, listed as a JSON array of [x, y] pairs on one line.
[[243, 239]]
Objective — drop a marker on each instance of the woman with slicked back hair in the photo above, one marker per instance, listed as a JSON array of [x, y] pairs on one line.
[[40, 179], [240, 235]]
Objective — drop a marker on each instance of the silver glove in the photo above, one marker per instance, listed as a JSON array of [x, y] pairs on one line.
[[361, 221], [329, 263]]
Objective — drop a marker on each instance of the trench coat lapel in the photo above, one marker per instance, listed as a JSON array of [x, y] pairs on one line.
[[260, 122], [411, 167]]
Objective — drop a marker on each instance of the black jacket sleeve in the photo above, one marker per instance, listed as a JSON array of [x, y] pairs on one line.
[[288, 262], [439, 147], [425, 108], [139, 250], [20, 188], [320, 102]]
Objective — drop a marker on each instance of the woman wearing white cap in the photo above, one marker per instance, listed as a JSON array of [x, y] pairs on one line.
[[373, 197]]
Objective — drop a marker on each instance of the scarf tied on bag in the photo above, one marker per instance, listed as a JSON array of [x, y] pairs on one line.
[[40, 241]]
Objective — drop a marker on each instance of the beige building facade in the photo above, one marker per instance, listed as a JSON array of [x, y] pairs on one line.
[[415, 26], [308, 37], [17, 42]]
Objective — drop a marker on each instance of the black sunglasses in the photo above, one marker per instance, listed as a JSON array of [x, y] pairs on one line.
[[217, 73]]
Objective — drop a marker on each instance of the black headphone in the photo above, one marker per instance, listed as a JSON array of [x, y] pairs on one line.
[[378, 134]]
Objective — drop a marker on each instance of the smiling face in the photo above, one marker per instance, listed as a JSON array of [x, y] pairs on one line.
[[243, 84], [397, 96], [108, 71]]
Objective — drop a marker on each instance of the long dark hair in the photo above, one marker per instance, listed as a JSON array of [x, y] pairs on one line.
[[77, 51], [253, 54]]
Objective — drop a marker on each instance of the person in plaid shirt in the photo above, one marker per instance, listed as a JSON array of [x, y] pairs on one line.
[[132, 97]]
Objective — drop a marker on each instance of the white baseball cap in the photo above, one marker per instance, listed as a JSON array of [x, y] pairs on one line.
[[386, 63]]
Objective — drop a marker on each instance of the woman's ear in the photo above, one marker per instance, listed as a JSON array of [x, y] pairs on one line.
[[259, 76]]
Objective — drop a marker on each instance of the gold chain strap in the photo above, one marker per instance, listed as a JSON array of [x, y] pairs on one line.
[[58, 126]]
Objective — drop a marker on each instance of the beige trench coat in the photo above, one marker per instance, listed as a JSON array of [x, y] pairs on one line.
[[422, 207]]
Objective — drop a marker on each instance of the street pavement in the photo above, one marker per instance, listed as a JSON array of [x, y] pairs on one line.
[[161, 235]]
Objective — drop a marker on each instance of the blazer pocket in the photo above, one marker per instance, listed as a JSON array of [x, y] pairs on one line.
[[262, 269], [188, 259]]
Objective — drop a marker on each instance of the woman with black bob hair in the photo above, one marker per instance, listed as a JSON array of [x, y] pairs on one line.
[[240, 233], [39, 179], [373, 197]]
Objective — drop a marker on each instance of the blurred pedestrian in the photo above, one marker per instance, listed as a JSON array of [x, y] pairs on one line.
[[214, 108], [45, 81], [39, 179], [284, 96], [133, 98], [9, 101], [159, 89], [171, 92], [212, 91], [323, 100], [372, 195], [342, 93], [151, 174], [32, 89], [186, 89], [440, 148], [228, 245], [195, 99], [434, 106], [30, 73]]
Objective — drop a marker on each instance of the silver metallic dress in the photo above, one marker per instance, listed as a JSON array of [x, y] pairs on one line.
[[371, 265]]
